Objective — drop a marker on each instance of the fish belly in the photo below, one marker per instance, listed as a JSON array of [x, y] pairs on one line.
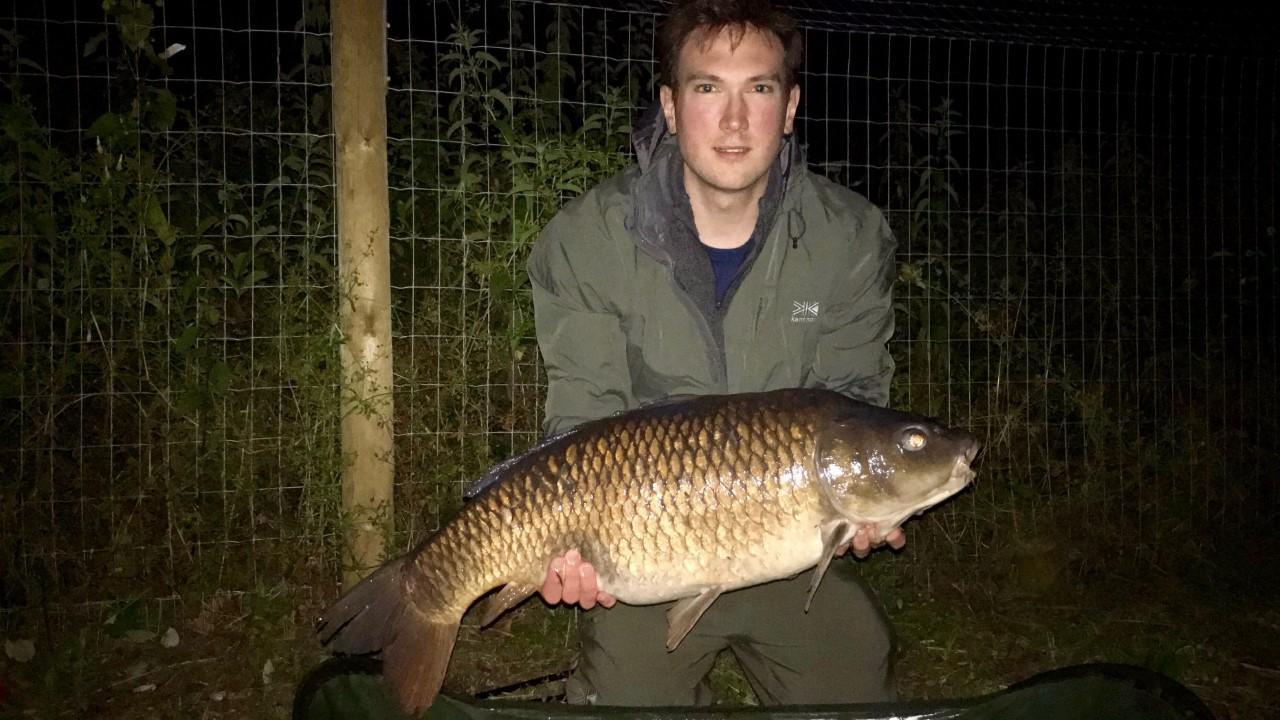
[[781, 554]]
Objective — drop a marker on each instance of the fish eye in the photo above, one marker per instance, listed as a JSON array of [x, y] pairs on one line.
[[913, 439]]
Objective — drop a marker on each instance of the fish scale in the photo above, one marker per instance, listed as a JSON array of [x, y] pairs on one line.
[[679, 501]]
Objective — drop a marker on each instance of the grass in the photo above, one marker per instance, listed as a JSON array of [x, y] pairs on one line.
[[969, 635], [964, 630]]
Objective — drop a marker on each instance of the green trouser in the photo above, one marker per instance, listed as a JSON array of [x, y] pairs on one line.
[[841, 651]]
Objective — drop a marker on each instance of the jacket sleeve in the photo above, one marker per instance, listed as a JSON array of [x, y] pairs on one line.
[[578, 327], [852, 349]]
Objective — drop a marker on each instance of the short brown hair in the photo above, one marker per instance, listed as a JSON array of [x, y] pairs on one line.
[[712, 16]]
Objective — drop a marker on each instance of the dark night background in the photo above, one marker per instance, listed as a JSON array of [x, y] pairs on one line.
[[1084, 195]]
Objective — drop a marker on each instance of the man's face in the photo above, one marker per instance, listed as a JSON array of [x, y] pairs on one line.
[[730, 110]]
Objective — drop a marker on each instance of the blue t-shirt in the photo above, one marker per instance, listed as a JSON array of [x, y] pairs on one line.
[[726, 263]]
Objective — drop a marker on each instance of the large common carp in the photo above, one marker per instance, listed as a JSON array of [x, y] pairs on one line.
[[680, 500]]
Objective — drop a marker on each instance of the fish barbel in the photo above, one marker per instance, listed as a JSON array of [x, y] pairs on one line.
[[680, 500]]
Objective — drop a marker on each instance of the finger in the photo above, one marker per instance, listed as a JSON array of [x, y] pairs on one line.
[[606, 600], [553, 588], [897, 539], [572, 577], [861, 543], [587, 595]]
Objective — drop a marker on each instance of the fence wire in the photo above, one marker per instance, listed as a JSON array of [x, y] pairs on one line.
[[1086, 276], [170, 406]]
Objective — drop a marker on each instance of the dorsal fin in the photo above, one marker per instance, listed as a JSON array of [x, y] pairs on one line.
[[499, 471]]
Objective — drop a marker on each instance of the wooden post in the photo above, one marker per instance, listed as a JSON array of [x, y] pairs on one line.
[[364, 275]]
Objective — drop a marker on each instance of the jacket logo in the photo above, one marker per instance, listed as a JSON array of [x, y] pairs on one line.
[[804, 311]]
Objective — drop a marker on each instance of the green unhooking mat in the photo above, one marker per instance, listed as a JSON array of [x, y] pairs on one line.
[[352, 689]]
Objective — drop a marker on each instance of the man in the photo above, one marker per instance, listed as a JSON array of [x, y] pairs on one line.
[[719, 264]]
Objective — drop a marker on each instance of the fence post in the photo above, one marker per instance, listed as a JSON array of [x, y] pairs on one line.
[[364, 270]]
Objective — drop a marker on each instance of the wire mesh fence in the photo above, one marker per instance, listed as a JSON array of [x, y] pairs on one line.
[[170, 402], [1086, 271]]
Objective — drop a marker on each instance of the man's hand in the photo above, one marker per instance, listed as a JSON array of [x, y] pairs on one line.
[[572, 581], [861, 544]]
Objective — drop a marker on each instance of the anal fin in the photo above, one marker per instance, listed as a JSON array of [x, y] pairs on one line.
[[511, 595], [684, 615], [833, 536]]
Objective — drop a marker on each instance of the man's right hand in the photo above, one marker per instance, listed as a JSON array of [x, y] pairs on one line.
[[572, 581]]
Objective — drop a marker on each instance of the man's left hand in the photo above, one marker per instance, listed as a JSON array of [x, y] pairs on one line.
[[862, 547]]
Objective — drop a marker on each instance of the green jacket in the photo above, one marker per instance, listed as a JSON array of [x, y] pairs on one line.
[[625, 305]]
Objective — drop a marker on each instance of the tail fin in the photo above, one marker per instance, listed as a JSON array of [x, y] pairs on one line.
[[378, 615]]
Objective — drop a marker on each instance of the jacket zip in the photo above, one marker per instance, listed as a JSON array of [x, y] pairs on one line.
[[715, 352]]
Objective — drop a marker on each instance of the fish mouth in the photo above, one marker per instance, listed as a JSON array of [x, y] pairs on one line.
[[971, 453], [961, 472], [961, 475]]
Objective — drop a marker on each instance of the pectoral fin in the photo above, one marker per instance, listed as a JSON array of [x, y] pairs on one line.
[[684, 615], [833, 536], [508, 597]]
